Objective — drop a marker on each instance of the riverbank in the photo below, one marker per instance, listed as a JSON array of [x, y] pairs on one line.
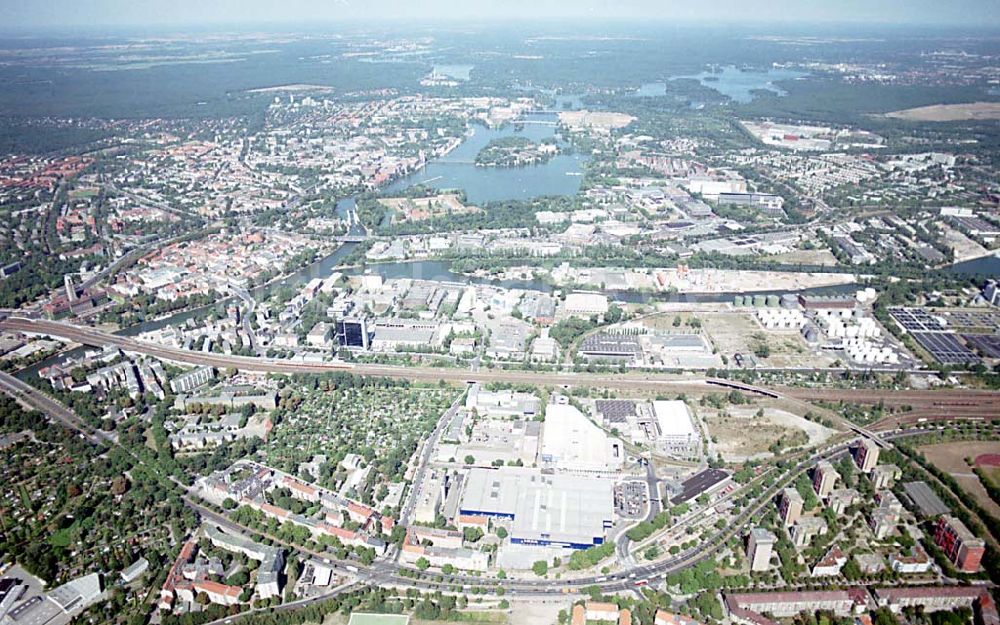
[[678, 280]]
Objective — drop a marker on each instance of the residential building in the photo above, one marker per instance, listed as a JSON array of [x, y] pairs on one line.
[[597, 612], [662, 617], [961, 546], [884, 476], [882, 522], [187, 382], [134, 570], [830, 564], [824, 478], [866, 455], [840, 498], [790, 506], [914, 561], [807, 528], [759, 546]]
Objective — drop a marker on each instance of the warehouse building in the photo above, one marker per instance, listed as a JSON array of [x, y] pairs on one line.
[[677, 433], [544, 508], [572, 442], [585, 304]]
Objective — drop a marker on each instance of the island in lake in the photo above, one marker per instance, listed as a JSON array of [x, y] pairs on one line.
[[515, 151]]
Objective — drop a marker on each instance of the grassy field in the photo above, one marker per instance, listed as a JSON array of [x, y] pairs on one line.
[[739, 332], [740, 434], [951, 457], [494, 618], [992, 475], [949, 112]]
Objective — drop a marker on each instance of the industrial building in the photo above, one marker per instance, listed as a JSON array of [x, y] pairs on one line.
[[585, 304], [676, 430], [704, 482], [504, 403], [611, 346], [543, 508], [570, 441]]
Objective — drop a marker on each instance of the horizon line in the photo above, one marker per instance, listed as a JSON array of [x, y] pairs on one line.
[[302, 24]]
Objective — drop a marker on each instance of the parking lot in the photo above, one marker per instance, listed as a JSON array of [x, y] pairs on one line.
[[631, 498]]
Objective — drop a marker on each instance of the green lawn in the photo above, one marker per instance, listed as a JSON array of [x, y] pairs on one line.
[[25, 498], [61, 538]]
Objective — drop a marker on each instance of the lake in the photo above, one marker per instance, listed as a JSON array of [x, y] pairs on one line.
[[731, 81], [458, 72], [560, 175]]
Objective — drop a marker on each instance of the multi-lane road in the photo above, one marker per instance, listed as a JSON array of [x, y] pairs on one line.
[[33, 398], [941, 403], [389, 572], [425, 455]]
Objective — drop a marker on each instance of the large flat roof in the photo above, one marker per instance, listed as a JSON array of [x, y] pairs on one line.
[[546, 507], [571, 441], [699, 483], [562, 508], [673, 418], [490, 491], [926, 499]]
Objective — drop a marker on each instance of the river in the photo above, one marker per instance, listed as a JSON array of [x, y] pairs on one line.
[[983, 267], [561, 175]]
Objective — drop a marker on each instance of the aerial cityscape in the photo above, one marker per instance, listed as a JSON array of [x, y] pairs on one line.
[[494, 312]]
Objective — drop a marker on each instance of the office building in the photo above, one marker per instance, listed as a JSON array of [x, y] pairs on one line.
[[352, 332]]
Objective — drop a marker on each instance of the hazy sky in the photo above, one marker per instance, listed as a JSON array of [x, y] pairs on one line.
[[16, 14]]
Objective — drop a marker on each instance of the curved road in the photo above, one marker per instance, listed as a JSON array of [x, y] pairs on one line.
[[385, 571]]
